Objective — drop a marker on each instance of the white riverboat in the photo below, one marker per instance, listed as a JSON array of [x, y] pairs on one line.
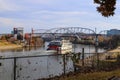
[[60, 46]]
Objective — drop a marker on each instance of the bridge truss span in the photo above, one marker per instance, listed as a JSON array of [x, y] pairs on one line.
[[66, 31]]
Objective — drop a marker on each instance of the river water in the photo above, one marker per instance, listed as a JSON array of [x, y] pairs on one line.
[[42, 50]]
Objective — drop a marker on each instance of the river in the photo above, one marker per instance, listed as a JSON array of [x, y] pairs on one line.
[[42, 50]]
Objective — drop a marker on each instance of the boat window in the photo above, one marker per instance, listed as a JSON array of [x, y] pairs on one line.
[[55, 43]]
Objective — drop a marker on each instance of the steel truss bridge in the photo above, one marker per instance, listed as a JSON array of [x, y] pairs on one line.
[[65, 30], [77, 32], [68, 31]]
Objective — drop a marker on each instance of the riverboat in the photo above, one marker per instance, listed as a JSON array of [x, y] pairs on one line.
[[60, 46]]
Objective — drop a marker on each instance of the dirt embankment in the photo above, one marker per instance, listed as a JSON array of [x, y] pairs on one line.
[[7, 45]]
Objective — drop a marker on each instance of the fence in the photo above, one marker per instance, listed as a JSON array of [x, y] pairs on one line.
[[99, 61], [34, 67], [47, 66]]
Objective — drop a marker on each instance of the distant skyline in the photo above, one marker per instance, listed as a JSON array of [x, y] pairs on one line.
[[46, 14]]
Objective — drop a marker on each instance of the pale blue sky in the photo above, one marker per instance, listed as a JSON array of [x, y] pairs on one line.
[[46, 14]]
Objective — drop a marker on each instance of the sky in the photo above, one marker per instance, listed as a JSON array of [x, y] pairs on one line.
[[47, 14]]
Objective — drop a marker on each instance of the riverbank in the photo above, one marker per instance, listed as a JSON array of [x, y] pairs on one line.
[[4, 45], [114, 53], [115, 50], [102, 75]]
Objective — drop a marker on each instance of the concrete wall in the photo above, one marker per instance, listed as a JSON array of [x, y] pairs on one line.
[[6, 69], [34, 68]]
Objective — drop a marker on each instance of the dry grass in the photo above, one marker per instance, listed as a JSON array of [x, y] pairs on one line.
[[92, 76], [8, 45]]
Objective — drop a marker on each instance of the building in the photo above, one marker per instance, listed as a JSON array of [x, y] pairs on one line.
[[18, 33], [113, 32]]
